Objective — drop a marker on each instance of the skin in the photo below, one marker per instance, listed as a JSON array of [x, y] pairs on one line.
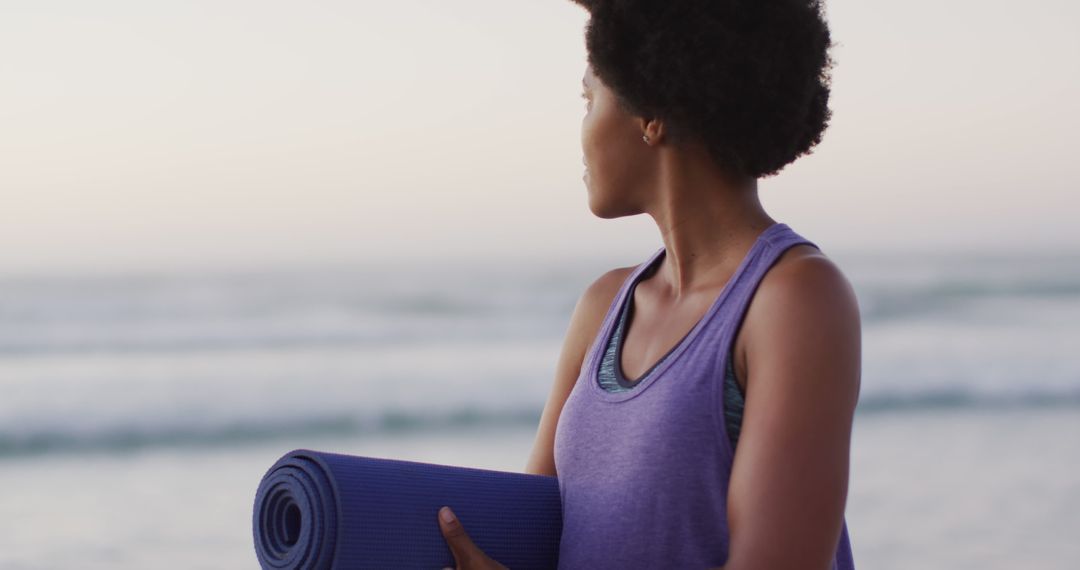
[[797, 352]]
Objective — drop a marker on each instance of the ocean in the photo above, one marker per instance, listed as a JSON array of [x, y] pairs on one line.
[[141, 409]]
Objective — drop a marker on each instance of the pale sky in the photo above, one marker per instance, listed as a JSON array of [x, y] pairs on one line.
[[146, 134]]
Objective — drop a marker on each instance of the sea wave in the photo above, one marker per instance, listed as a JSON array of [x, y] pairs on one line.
[[59, 439], [126, 438], [210, 311]]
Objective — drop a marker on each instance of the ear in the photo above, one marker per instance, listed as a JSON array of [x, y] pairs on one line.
[[654, 128]]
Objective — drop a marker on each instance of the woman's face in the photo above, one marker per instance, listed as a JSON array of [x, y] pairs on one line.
[[618, 163]]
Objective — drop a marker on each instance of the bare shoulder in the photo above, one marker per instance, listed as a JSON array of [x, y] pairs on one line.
[[592, 306], [806, 309], [601, 292], [804, 266], [805, 276]]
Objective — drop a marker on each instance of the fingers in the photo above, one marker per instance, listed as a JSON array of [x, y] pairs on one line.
[[460, 544]]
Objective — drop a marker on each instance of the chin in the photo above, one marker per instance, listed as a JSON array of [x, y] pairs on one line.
[[605, 204], [605, 210]]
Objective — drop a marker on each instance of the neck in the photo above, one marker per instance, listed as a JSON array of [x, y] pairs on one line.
[[707, 224]]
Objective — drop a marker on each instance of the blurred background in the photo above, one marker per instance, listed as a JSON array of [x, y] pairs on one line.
[[230, 229]]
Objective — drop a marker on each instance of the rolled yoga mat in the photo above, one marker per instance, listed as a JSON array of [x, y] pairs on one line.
[[319, 510]]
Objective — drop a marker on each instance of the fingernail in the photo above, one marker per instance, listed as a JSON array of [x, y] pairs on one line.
[[446, 514]]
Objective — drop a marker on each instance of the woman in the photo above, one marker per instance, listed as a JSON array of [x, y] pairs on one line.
[[702, 408]]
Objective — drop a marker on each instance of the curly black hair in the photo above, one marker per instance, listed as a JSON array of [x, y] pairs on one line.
[[748, 78]]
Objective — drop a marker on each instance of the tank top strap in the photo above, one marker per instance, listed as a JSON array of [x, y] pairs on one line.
[[777, 239], [599, 343]]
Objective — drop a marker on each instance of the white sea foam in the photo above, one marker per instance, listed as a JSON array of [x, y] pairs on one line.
[[112, 363]]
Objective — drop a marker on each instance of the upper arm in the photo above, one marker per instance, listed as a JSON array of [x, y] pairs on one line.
[[789, 479], [585, 322]]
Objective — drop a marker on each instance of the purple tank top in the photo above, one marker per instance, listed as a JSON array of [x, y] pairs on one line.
[[643, 474]]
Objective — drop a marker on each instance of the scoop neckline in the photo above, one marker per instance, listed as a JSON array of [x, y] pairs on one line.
[[657, 370], [621, 321]]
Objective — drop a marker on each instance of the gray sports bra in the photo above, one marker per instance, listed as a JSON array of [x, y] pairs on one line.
[[611, 377]]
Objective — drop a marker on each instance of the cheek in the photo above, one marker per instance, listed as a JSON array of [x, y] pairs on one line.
[[600, 145], [596, 142], [607, 145]]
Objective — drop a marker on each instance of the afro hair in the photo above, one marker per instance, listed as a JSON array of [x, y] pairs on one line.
[[747, 78]]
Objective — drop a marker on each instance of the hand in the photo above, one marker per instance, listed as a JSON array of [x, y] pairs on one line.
[[466, 554]]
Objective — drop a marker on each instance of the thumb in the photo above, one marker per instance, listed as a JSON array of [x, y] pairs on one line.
[[460, 544]]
